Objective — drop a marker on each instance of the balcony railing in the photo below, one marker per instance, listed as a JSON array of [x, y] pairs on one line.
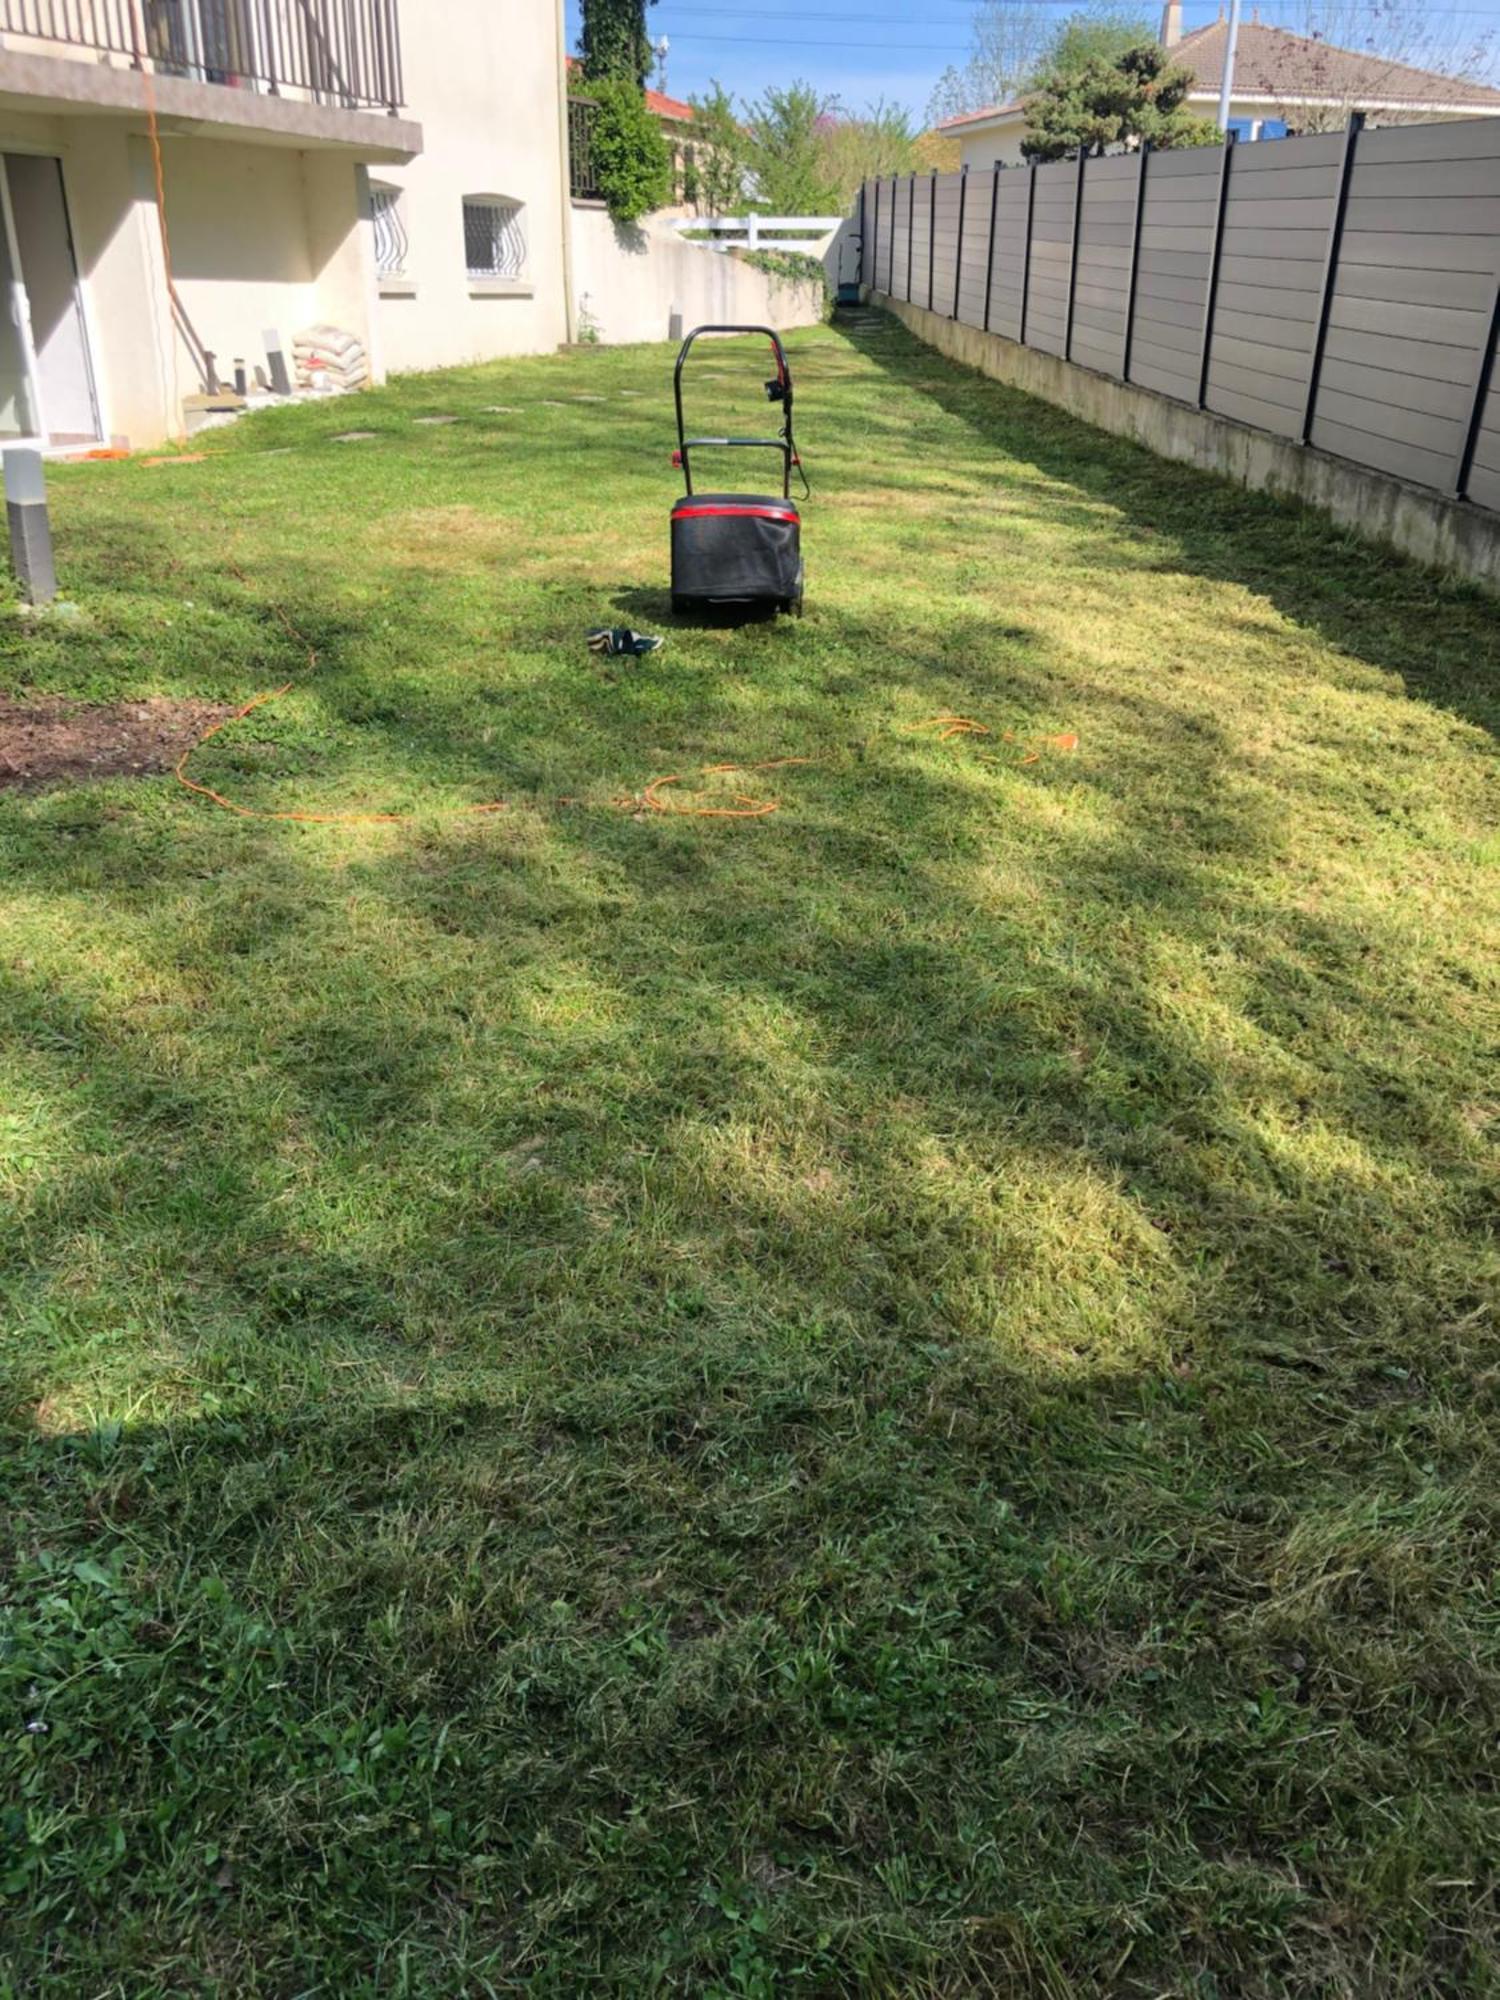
[[339, 52]]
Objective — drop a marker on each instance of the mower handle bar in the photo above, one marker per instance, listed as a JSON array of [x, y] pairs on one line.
[[782, 443]]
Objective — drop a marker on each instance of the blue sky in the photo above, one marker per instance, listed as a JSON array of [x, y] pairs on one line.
[[833, 43]]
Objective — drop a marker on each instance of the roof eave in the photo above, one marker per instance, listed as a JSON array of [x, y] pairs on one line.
[[1355, 98]]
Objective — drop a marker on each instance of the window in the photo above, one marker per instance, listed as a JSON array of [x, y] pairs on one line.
[[391, 243], [494, 241]]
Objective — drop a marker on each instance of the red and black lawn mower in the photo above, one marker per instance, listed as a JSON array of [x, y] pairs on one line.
[[737, 548]]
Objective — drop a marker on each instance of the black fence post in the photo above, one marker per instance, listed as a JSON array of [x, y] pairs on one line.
[[1073, 254], [931, 237], [989, 255], [958, 258], [1135, 260], [863, 239], [1483, 376], [1026, 248], [911, 232], [875, 244], [1330, 269], [1211, 296]]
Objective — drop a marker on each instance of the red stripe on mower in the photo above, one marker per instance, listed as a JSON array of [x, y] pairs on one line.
[[759, 513]]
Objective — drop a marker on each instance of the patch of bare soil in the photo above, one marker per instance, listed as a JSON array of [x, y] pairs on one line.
[[51, 742]]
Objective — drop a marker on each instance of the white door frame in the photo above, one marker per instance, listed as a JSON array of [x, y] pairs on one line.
[[20, 311]]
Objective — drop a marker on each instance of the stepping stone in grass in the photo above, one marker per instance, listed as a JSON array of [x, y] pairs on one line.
[[630, 392], [353, 437], [434, 420], [502, 409], [581, 397], [551, 403]]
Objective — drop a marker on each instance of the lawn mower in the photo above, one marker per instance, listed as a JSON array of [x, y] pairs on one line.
[[737, 548]]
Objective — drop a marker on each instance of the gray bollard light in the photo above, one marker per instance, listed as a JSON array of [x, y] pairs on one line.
[[30, 530], [674, 323]]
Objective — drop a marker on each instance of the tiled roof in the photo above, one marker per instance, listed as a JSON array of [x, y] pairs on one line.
[[981, 117], [1291, 69], [671, 109]]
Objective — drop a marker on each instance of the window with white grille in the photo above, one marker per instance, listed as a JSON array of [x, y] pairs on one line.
[[391, 243], [494, 240]]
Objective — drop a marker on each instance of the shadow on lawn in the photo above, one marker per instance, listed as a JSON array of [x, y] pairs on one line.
[[850, 1364], [1373, 604]]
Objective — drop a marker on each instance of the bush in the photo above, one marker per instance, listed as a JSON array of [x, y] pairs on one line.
[[631, 161]]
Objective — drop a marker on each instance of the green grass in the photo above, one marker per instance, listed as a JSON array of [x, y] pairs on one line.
[[899, 1398]]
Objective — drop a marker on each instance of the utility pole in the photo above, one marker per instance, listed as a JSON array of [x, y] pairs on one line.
[[1226, 88]]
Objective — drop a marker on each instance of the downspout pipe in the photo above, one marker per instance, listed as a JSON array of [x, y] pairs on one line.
[[565, 171]]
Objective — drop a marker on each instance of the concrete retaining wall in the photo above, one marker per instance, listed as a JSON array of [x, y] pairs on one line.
[[1452, 535], [627, 281]]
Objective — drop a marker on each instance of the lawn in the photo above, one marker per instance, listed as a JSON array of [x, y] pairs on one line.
[[900, 1397]]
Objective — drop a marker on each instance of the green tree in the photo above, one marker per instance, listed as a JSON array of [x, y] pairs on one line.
[[1109, 32], [872, 143], [613, 41], [631, 159], [787, 158], [1015, 42], [720, 153], [1139, 95]]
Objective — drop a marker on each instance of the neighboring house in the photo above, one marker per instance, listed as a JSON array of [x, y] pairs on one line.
[[389, 167], [1283, 84]]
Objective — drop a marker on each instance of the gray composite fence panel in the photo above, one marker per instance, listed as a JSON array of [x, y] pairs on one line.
[[1178, 219], [1007, 266], [1102, 278], [974, 250], [1392, 315], [901, 227], [921, 241], [1406, 382], [1051, 256], [1266, 311], [945, 243], [1484, 474]]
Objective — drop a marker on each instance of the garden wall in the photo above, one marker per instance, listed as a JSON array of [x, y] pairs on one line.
[[627, 282]]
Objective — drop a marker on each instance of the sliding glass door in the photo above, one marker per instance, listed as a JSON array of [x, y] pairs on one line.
[[47, 391], [20, 415]]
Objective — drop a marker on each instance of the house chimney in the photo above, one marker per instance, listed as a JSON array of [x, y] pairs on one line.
[[1171, 24]]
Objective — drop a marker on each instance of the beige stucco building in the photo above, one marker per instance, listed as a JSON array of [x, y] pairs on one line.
[[393, 168]]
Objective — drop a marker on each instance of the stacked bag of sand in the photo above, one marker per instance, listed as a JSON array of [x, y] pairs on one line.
[[328, 358]]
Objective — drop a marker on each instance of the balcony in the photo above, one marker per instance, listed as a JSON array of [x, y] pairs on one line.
[[304, 72]]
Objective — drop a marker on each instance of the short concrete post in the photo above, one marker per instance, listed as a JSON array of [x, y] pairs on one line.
[[674, 324], [30, 530], [281, 382]]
